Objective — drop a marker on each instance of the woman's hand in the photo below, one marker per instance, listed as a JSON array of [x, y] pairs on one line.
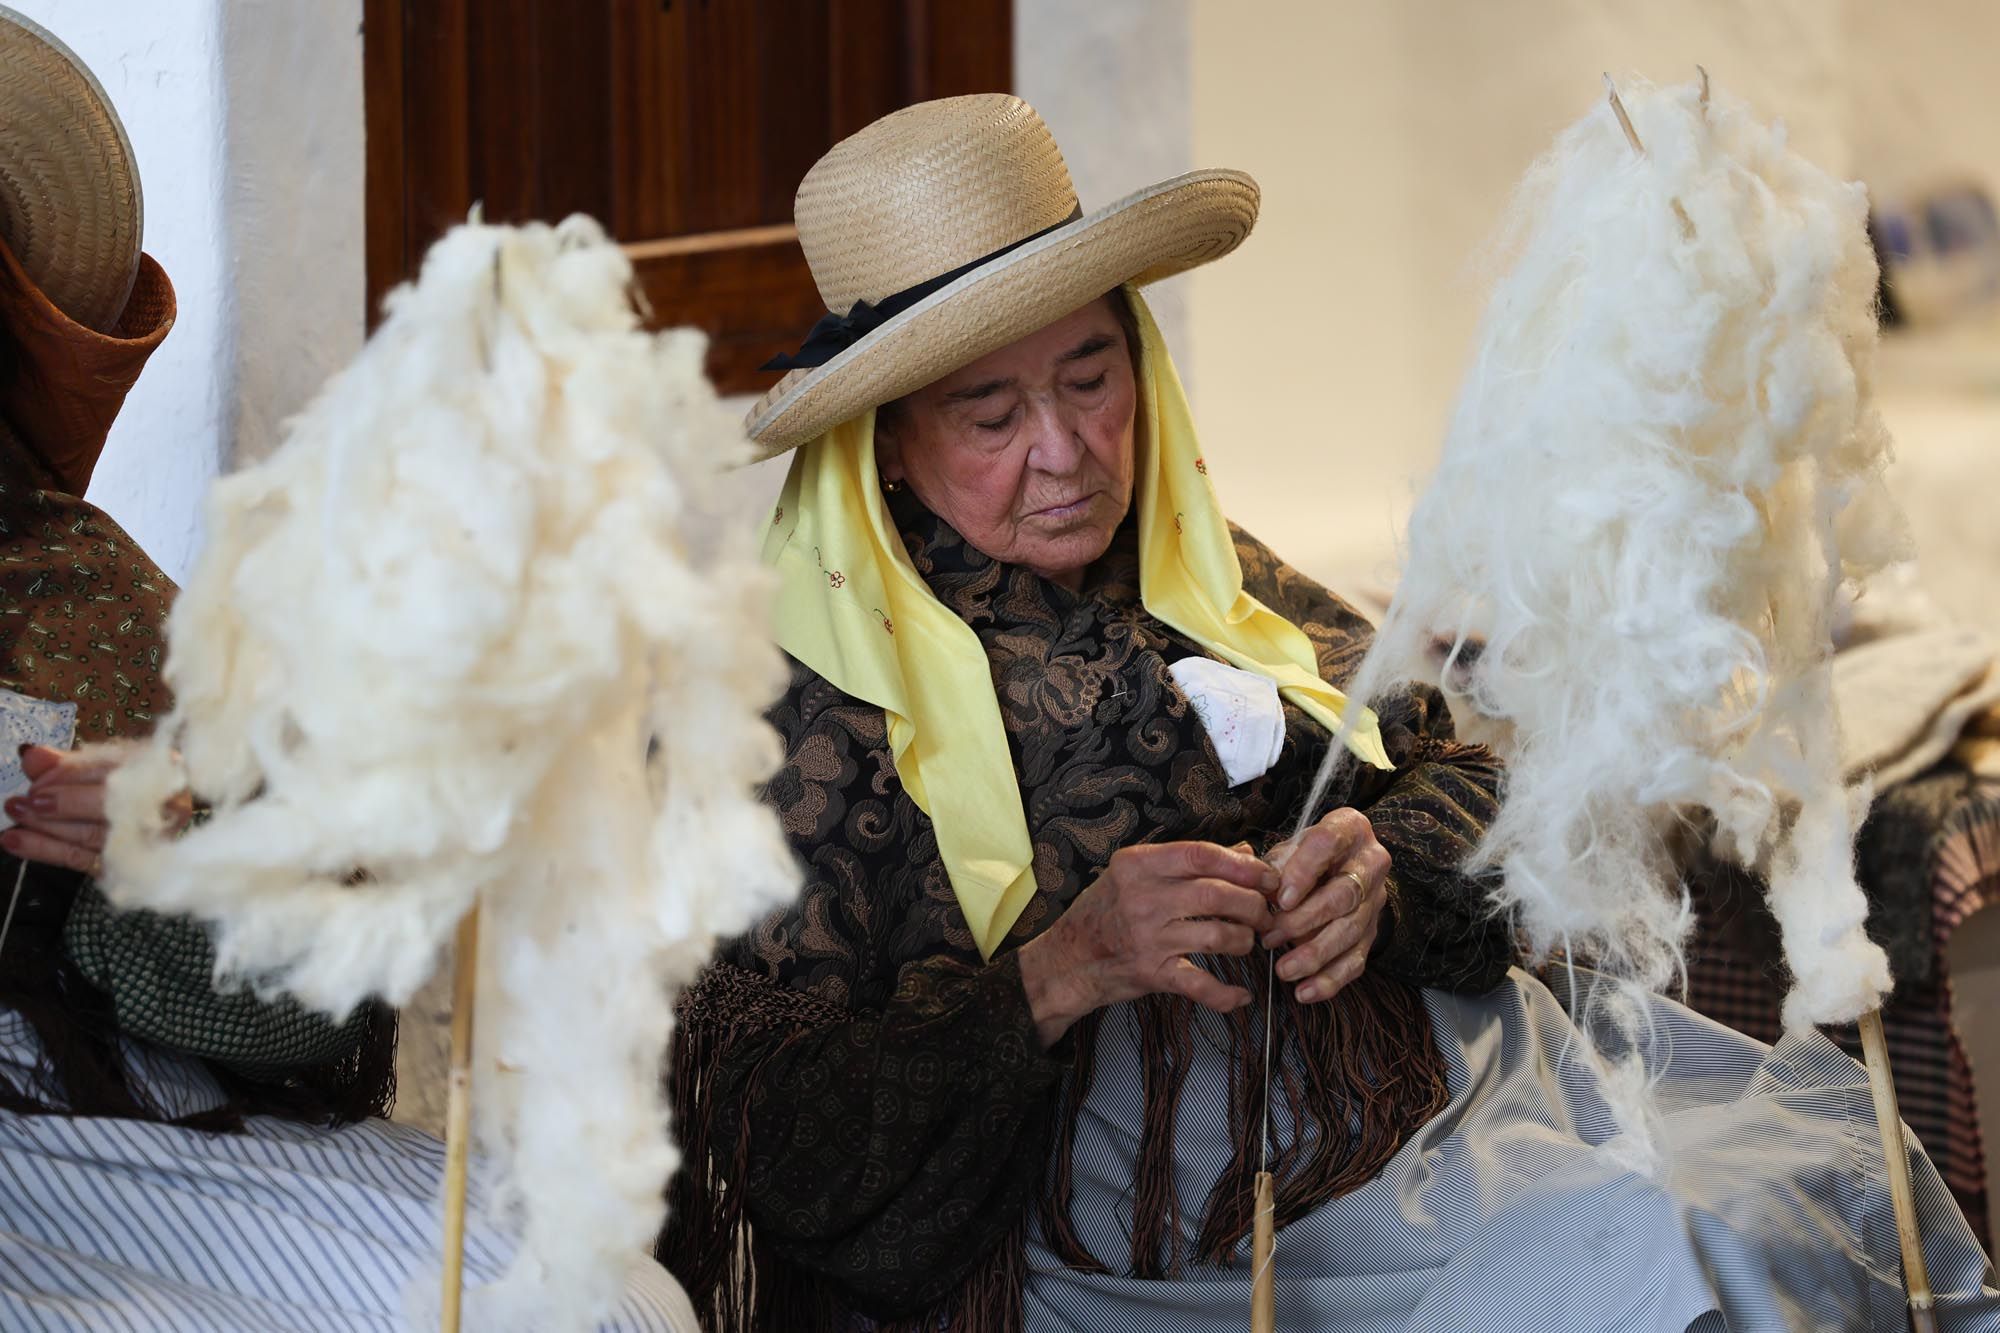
[[60, 818], [1130, 933], [1334, 884]]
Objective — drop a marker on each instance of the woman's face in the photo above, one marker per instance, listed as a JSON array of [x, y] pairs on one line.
[[1028, 450]]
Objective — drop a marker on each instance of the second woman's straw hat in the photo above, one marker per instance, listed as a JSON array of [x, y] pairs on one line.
[[950, 229], [69, 189]]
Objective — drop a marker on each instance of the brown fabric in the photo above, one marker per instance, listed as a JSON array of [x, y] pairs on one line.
[[62, 384], [868, 1117], [746, 1283], [82, 609]]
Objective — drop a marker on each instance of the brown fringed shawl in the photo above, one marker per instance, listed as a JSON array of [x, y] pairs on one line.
[[738, 1281], [868, 1123], [1366, 1063]]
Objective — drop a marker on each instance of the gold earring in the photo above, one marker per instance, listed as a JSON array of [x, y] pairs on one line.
[[891, 487]]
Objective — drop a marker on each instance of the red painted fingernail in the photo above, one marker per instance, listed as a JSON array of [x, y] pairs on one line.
[[16, 808], [43, 804]]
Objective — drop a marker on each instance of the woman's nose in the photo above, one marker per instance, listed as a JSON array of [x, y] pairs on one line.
[[1057, 442]]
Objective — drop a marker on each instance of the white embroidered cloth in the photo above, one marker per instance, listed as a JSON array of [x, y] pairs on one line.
[[1241, 712]]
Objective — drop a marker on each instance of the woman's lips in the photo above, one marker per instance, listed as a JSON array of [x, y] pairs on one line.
[[1068, 510]]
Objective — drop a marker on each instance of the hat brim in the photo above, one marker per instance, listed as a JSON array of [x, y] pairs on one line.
[[70, 206], [1159, 231]]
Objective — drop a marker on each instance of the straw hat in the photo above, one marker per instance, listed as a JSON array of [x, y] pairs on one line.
[[950, 229], [69, 189]]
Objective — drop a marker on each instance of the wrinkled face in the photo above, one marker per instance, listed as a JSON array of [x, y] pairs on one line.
[[1028, 450]]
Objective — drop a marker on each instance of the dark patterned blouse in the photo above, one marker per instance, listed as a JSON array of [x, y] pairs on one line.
[[875, 1109]]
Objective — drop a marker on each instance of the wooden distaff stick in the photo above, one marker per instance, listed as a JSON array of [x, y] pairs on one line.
[[1874, 1045], [458, 1115], [1896, 1158]]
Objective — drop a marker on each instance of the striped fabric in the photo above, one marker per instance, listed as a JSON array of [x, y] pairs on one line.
[[136, 1228], [1515, 1208]]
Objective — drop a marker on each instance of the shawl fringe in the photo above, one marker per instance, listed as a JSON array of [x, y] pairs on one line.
[[1364, 1062], [736, 1281]]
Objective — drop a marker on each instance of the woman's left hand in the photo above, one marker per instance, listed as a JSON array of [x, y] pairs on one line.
[[60, 819], [1333, 884]]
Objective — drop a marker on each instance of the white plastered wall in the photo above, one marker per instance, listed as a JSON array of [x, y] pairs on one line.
[[245, 116]]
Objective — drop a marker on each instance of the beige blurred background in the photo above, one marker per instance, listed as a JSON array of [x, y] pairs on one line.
[[1323, 356]]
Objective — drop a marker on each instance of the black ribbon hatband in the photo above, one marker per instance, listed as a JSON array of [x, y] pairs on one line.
[[834, 334]]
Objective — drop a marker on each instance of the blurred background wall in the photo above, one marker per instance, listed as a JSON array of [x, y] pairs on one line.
[[1387, 139]]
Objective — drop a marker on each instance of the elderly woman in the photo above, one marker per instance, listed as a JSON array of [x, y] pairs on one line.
[[1051, 726]]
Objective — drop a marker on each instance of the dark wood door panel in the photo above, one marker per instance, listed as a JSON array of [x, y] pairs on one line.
[[683, 125], [753, 297]]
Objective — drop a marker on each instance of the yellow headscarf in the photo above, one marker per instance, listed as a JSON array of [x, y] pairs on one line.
[[853, 608]]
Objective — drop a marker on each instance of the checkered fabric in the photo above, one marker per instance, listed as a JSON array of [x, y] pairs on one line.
[[1736, 978]]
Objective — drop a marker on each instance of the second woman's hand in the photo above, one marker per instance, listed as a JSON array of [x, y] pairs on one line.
[[60, 819], [1130, 933]]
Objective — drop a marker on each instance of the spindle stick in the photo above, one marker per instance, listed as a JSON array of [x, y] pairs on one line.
[[1264, 1233], [1896, 1158], [1263, 1237], [1632, 137], [1624, 121], [458, 1114]]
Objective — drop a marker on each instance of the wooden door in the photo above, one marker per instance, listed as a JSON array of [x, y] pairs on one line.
[[683, 125]]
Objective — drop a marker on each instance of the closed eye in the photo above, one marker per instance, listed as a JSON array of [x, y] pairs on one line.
[[1093, 385], [998, 423]]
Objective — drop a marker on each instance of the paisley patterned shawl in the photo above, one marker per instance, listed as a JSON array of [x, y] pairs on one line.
[[867, 1117]]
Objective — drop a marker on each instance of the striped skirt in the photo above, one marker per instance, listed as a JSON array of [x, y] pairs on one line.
[[128, 1227]]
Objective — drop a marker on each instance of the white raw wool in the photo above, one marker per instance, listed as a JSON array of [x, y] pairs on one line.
[[469, 635], [1663, 463]]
